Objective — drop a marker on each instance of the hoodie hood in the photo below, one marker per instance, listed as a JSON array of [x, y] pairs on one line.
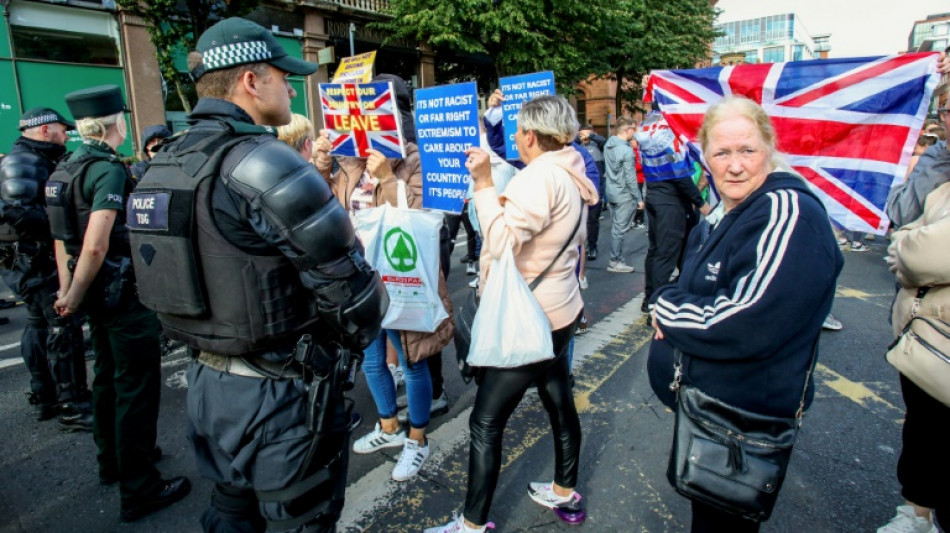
[[615, 143], [571, 161]]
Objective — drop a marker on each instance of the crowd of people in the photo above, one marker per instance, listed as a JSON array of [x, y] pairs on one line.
[[240, 243]]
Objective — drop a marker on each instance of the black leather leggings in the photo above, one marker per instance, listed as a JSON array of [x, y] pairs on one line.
[[499, 392]]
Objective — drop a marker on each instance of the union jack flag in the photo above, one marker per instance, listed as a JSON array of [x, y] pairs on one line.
[[360, 117], [847, 125]]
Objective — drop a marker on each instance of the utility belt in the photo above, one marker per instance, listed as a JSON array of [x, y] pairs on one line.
[[251, 367], [114, 285]]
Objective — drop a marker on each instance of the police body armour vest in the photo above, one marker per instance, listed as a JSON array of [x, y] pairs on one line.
[[207, 292], [68, 211]]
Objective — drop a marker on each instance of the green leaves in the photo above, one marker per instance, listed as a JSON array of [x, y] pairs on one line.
[[573, 38], [174, 31]]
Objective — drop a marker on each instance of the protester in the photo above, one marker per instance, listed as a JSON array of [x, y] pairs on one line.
[[730, 313], [670, 193], [152, 138], [371, 182], [622, 190], [639, 218], [51, 346], [88, 221], [918, 256], [299, 135], [534, 218], [905, 201], [594, 144]]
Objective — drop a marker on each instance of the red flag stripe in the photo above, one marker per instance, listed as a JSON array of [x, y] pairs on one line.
[[840, 196], [878, 142], [675, 90], [853, 79], [748, 80]]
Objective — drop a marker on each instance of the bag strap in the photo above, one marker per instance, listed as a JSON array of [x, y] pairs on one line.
[[537, 281], [678, 376]]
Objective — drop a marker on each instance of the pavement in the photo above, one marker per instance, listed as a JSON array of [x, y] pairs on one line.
[[841, 478]]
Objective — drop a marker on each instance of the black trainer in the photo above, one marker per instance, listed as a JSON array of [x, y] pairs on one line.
[[171, 491], [41, 410], [592, 253], [645, 306]]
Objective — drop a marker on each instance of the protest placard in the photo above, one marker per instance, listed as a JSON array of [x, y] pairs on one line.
[[446, 126], [518, 90], [356, 69], [360, 117]]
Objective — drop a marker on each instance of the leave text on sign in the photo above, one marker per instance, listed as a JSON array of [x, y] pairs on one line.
[[356, 123]]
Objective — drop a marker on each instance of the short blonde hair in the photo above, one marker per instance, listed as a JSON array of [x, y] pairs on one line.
[[96, 127], [552, 119], [733, 106], [297, 132]]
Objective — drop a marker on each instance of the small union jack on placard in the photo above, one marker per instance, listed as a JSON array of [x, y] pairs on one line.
[[847, 125], [361, 117]]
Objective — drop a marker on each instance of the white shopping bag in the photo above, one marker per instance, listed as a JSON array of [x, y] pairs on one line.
[[510, 328], [402, 244]]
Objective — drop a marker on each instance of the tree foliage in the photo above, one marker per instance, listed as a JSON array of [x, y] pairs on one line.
[[175, 25], [616, 39], [655, 34], [513, 37]]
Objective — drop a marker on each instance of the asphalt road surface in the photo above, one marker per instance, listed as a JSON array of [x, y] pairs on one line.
[[841, 476]]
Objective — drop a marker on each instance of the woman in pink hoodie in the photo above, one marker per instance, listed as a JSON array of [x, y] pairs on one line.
[[535, 217]]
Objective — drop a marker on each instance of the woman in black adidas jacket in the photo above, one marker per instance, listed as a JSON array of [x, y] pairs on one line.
[[755, 287]]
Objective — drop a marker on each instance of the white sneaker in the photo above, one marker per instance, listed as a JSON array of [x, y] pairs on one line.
[[412, 458], [831, 323], [473, 284], [471, 269], [457, 525], [379, 439], [439, 406], [583, 283], [399, 376], [907, 521], [619, 266], [543, 494]]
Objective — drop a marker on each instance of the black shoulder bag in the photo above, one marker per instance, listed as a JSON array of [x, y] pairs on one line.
[[465, 316], [726, 456]]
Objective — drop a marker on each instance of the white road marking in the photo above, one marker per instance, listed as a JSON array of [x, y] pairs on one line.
[[10, 362], [377, 489]]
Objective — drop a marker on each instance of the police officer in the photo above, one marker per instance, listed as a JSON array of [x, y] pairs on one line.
[[241, 247], [152, 138], [29, 269], [86, 204]]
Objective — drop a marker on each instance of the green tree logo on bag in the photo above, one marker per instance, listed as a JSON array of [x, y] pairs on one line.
[[400, 250]]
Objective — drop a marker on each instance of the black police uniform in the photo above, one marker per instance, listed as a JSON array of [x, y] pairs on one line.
[[127, 384], [242, 249], [29, 269]]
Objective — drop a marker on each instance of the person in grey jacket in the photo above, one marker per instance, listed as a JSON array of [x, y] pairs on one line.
[[905, 203], [621, 189]]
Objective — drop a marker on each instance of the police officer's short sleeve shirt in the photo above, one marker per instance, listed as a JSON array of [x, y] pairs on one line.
[[104, 184]]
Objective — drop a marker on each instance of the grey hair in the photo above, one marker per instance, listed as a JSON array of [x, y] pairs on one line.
[[549, 115], [96, 127]]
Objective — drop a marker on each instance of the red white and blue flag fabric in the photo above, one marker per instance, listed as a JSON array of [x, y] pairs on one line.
[[847, 125], [360, 117]]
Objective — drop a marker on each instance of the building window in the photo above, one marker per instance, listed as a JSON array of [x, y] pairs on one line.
[[752, 56], [940, 30], [775, 54], [63, 34], [798, 51]]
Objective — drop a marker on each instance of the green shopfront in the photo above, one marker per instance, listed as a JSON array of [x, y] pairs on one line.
[[47, 51]]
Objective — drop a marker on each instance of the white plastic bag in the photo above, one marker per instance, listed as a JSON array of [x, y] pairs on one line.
[[402, 244], [510, 328]]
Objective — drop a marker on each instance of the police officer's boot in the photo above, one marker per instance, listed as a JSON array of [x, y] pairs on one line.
[[43, 410]]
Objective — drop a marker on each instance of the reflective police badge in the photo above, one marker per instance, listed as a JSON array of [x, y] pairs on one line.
[[148, 211]]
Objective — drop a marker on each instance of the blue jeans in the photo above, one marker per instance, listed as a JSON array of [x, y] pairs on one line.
[[383, 389], [621, 220]]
